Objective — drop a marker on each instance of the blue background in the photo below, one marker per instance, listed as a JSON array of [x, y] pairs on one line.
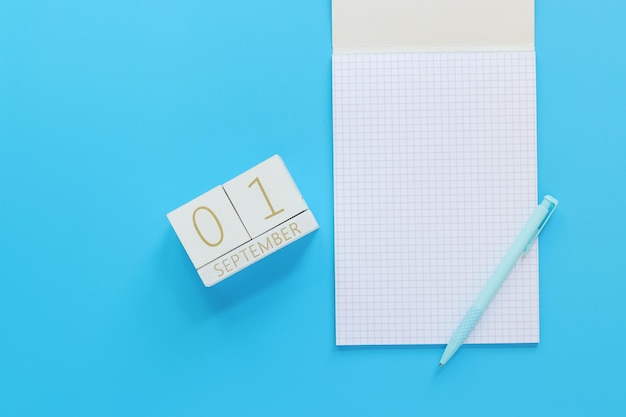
[[112, 113]]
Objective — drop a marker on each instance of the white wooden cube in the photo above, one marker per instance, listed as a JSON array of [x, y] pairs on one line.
[[265, 196], [243, 221], [208, 226]]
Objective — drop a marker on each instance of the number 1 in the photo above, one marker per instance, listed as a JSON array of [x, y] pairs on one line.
[[267, 200]]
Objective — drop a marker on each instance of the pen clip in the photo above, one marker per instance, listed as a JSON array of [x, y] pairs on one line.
[[549, 203]]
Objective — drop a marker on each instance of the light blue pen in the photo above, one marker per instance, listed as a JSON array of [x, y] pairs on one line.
[[522, 244]]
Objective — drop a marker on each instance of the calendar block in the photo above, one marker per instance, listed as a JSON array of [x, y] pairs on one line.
[[243, 221], [208, 226], [265, 196]]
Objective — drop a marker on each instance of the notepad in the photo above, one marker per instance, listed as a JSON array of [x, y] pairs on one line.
[[435, 173]]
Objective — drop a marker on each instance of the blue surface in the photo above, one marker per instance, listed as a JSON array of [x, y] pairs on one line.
[[114, 112]]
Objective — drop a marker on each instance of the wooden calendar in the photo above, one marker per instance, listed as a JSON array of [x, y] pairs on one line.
[[242, 221]]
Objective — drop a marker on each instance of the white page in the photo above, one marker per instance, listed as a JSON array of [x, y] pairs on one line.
[[435, 168], [435, 174]]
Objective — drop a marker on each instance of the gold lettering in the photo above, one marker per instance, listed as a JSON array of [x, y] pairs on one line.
[[294, 228], [235, 258], [220, 271], [254, 251], [285, 232], [267, 200], [267, 247], [219, 225], [227, 265], [243, 252], [277, 239]]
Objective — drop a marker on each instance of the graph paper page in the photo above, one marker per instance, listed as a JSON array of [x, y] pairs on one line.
[[435, 174]]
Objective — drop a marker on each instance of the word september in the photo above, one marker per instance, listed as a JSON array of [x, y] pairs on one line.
[[261, 246]]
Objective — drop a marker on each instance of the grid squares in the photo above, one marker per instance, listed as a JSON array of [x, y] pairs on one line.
[[435, 174]]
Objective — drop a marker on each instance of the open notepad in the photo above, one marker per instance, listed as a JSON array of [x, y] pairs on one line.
[[435, 168]]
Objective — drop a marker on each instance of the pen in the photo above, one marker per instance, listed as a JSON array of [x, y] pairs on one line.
[[519, 248]]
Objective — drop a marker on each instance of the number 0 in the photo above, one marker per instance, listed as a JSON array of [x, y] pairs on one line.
[[219, 225]]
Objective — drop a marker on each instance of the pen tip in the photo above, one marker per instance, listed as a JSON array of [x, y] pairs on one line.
[[440, 364]]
